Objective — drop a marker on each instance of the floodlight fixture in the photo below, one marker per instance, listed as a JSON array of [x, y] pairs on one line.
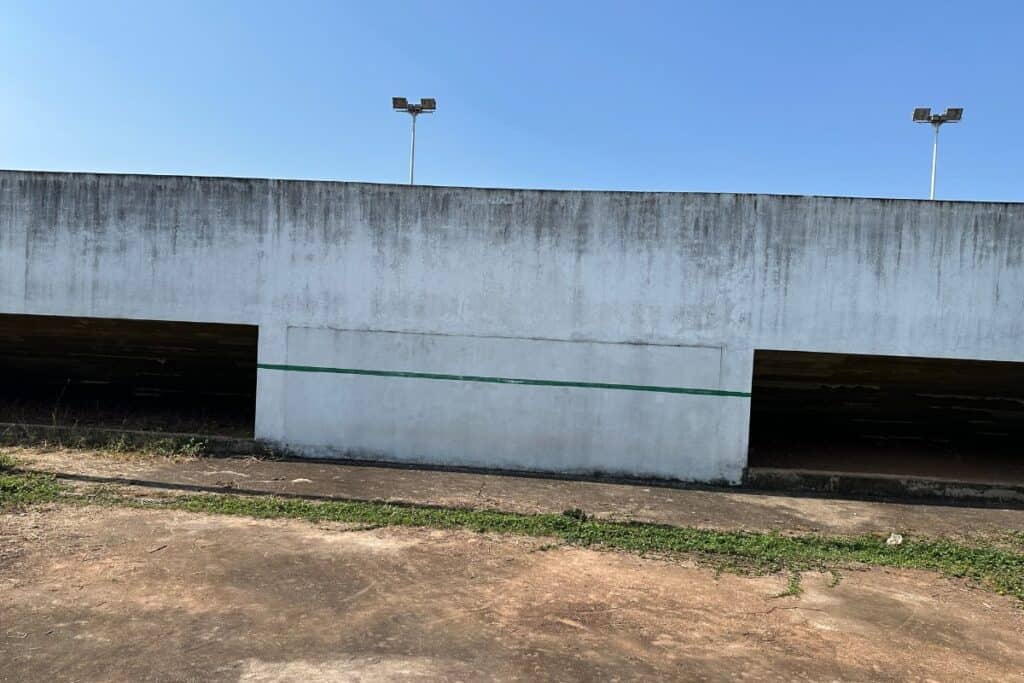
[[925, 115], [427, 105]]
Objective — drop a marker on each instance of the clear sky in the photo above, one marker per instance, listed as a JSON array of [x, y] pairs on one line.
[[786, 97]]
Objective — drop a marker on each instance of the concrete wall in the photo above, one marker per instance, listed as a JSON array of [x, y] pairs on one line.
[[401, 322]]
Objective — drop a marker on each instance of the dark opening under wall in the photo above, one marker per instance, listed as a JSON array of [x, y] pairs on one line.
[[128, 374], [959, 420]]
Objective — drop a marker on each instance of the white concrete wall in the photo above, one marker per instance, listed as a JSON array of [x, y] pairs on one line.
[[646, 290]]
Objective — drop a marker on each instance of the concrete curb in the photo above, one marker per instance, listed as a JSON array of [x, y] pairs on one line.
[[855, 485]]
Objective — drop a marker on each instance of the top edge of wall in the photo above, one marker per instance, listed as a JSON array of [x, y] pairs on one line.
[[425, 187]]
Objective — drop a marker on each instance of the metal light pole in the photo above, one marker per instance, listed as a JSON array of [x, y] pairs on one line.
[[427, 105], [924, 115]]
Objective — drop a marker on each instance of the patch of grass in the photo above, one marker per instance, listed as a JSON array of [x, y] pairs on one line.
[[18, 489], [191, 447], [138, 446], [7, 463], [575, 513], [997, 569], [793, 588], [121, 445]]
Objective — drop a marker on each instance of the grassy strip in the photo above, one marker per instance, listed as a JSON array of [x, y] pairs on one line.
[[997, 569]]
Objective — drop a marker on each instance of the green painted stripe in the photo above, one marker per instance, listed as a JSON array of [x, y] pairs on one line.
[[503, 380]]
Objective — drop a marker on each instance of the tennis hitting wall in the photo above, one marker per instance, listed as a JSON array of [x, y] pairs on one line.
[[575, 332]]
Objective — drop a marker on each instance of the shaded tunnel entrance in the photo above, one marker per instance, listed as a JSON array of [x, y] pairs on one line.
[[128, 374], [959, 420]]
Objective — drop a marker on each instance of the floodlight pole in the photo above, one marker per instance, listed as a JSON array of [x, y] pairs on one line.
[[924, 115], [427, 105], [412, 152]]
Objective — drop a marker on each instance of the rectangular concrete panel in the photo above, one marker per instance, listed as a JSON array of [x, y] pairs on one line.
[[526, 404]]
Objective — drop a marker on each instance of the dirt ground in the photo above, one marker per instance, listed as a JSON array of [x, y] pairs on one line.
[[114, 594]]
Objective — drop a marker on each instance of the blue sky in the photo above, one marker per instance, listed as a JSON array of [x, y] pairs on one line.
[[782, 97]]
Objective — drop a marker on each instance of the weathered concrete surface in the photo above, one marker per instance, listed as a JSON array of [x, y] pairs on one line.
[[722, 510], [623, 288], [103, 594], [832, 483]]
